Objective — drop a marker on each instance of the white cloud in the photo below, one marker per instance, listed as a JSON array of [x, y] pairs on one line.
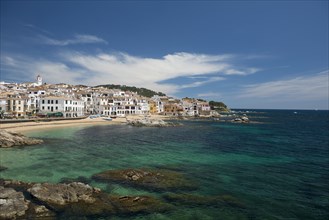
[[78, 39], [300, 88], [122, 68], [242, 71], [151, 72]]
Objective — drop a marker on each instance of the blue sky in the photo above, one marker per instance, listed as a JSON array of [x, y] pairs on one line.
[[249, 54]]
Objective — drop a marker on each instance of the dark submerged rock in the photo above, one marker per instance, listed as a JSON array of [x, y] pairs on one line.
[[2, 168], [10, 139], [148, 179], [191, 200], [137, 204]]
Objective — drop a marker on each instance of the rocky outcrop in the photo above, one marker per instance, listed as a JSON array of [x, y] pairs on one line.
[[241, 119], [148, 179], [57, 196], [10, 139], [148, 122], [52, 201], [12, 203]]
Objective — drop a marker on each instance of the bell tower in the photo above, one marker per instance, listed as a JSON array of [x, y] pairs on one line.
[[39, 80]]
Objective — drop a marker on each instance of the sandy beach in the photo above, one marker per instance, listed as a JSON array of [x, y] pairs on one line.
[[31, 126]]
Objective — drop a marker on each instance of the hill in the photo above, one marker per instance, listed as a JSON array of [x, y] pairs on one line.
[[140, 91], [220, 106]]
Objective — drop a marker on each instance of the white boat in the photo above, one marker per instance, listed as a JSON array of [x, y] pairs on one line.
[[108, 119]]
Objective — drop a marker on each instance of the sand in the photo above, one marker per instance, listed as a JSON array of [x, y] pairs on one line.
[[29, 126], [23, 127]]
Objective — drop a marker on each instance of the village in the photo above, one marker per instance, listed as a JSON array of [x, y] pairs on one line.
[[40, 100]]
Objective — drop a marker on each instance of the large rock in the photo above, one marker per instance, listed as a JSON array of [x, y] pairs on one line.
[[148, 122], [12, 203], [148, 179], [10, 139], [57, 196]]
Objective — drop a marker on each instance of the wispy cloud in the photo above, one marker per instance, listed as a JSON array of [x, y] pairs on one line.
[[77, 39], [299, 88], [36, 28], [200, 83], [122, 68], [211, 95]]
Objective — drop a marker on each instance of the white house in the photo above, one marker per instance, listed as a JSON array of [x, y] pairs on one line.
[[70, 107]]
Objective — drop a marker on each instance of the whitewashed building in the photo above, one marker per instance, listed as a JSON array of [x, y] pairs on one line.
[[70, 107]]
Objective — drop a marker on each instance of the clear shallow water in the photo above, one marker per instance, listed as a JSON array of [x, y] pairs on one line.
[[278, 168]]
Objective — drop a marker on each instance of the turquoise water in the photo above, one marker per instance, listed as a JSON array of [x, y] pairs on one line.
[[278, 168]]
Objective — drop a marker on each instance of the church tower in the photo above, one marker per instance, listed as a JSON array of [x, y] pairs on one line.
[[39, 80]]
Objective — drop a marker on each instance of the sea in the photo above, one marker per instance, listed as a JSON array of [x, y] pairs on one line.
[[277, 165]]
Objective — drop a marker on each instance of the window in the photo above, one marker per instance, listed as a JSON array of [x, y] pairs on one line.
[[43, 101], [56, 101], [56, 107], [52, 101], [19, 102], [65, 101], [48, 107], [43, 107], [48, 101]]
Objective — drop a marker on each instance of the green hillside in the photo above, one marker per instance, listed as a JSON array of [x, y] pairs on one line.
[[140, 91]]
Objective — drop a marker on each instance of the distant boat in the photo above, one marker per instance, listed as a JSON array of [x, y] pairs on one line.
[[295, 112], [108, 119]]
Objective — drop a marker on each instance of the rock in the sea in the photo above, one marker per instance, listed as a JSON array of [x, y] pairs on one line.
[[12, 203], [57, 196], [10, 139], [2, 168], [137, 204], [148, 179], [190, 199], [148, 122]]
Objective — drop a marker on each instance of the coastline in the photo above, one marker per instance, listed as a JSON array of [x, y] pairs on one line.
[[23, 127]]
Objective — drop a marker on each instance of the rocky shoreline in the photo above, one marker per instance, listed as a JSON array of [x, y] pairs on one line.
[[22, 200], [11, 139]]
